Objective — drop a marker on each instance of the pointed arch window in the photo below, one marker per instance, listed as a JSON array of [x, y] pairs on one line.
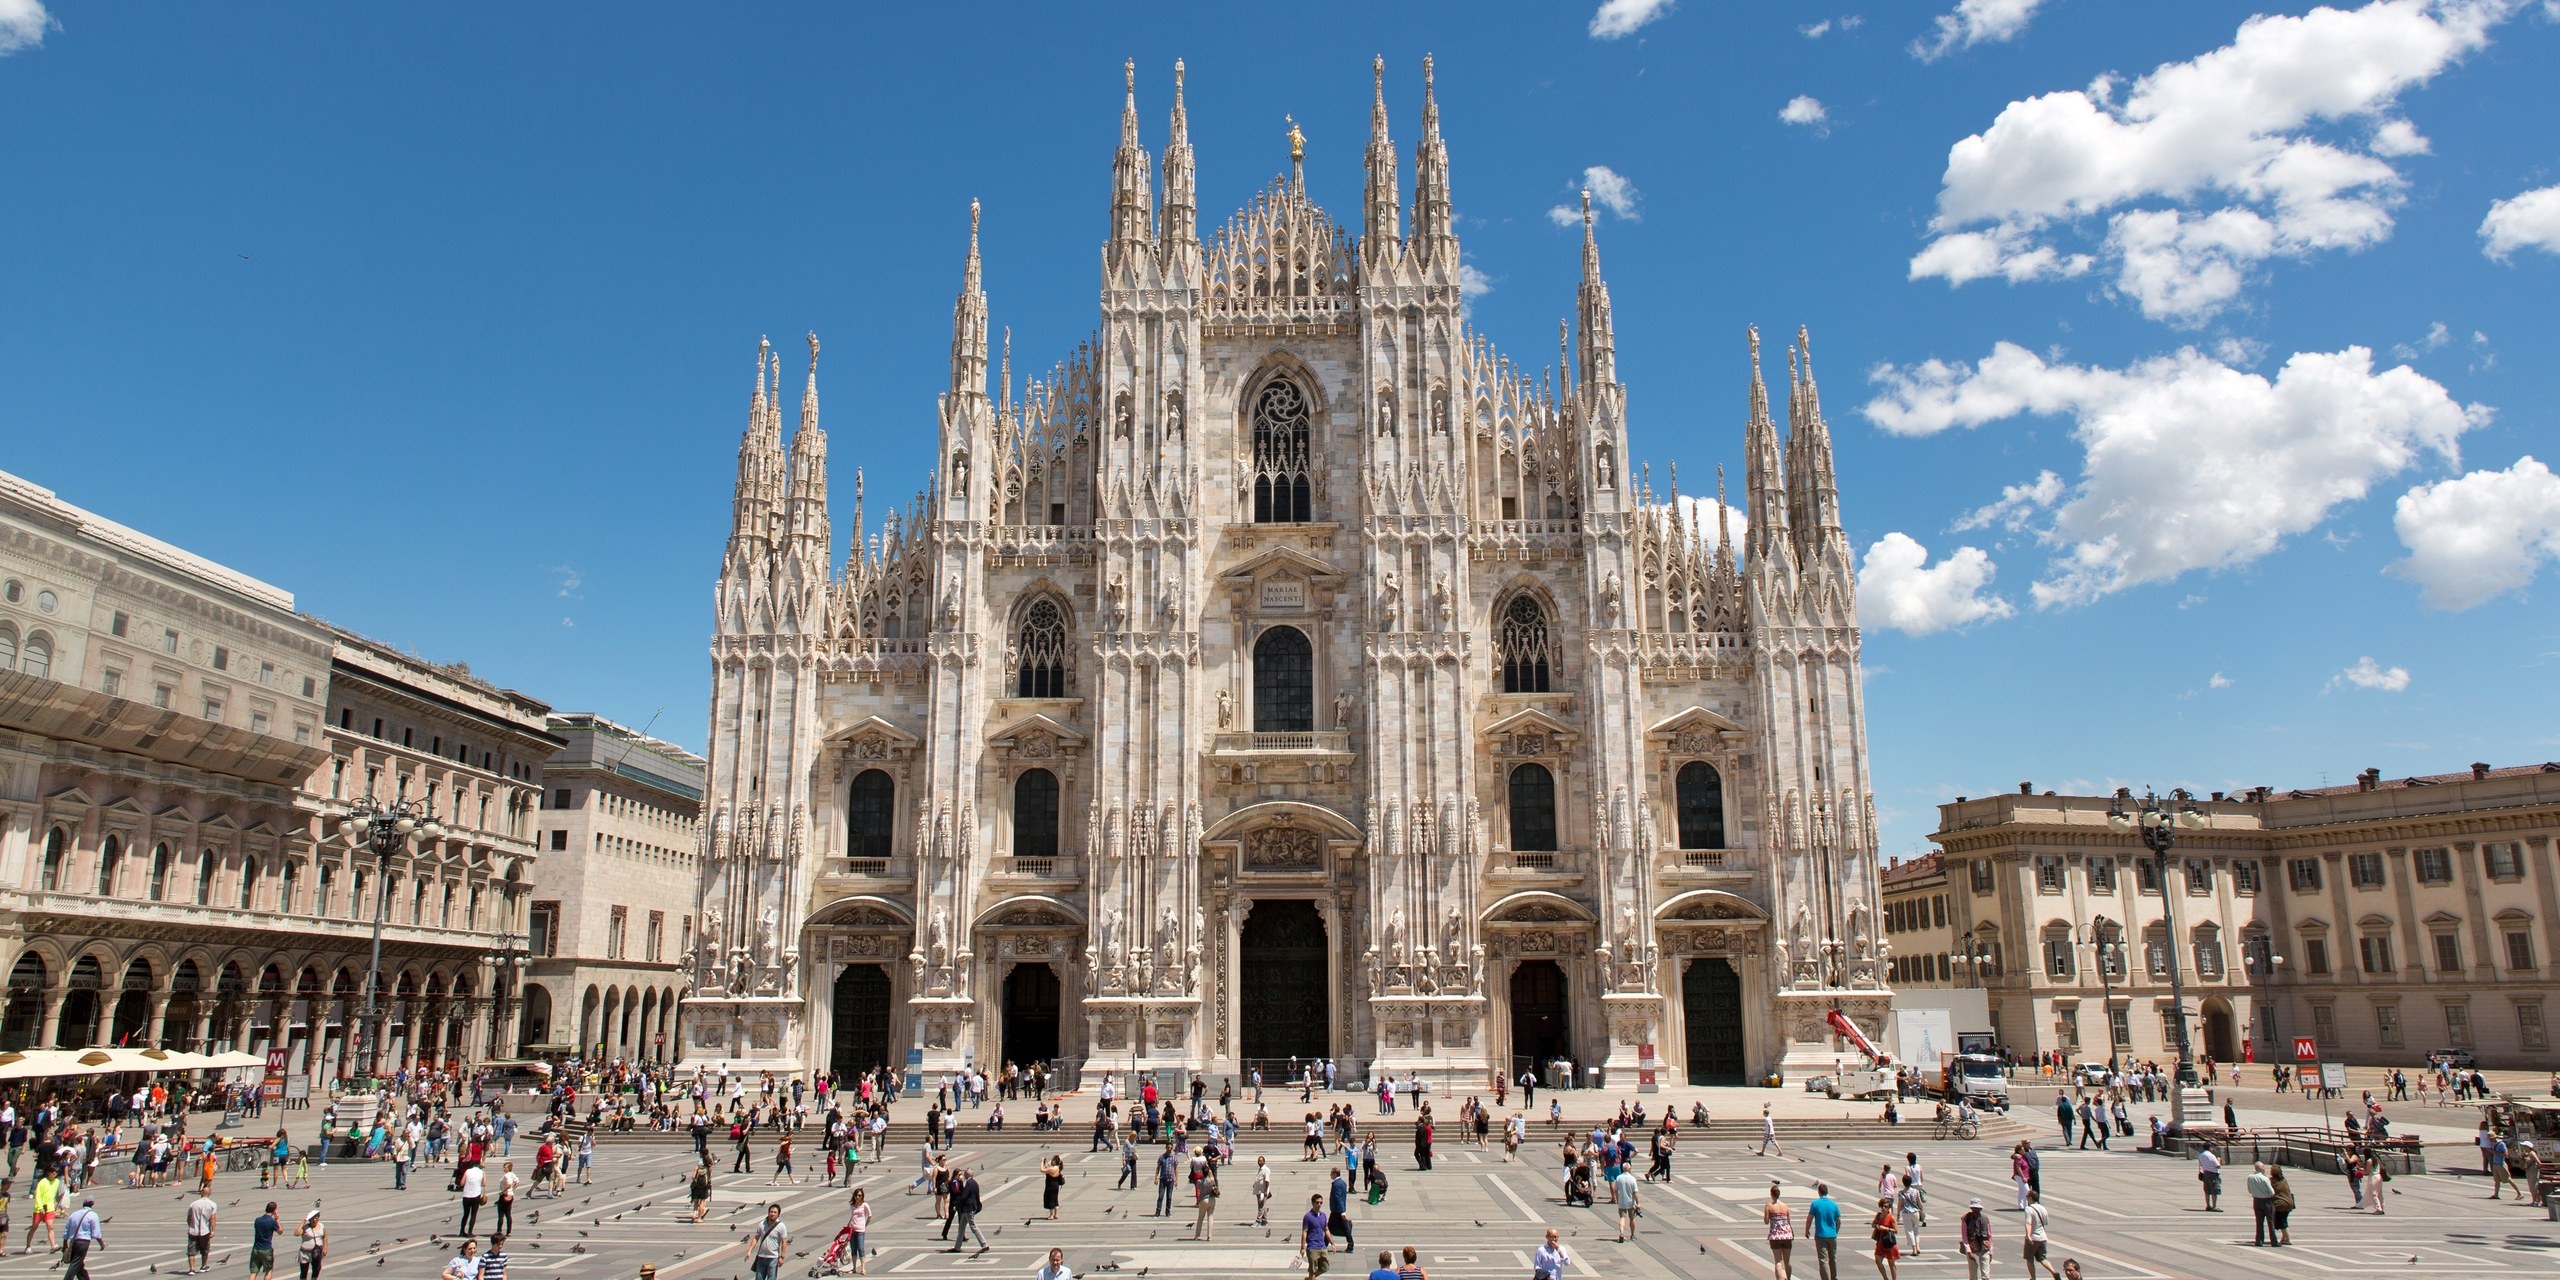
[[1283, 488], [1701, 796], [1523, 645], [1533, 809], [1035, 814], [1284, 682], [870, 811], [1040, 652]]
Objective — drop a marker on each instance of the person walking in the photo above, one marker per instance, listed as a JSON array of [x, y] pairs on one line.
[[1780, 1224], [1769, 1132], [1549, 1262], [2209, 1173], [2262, 1203], [474, 1182], [2374, 1177], [858, 1221], [508, 1183], [262, 1244], [1629, 1207], [1907, 1211], [1128, 1164], [1973, 1240], [966, 1201], [1262, 1191], [1823, 1217], [1204, 1202], [2280, 1206], [2062, 1115], [1887, 1234], [1338, 1220], [767, 1243], [200, 1215], [2494, 1151], [83, 1232], [1315, 1239], [699, 1189], [2035, 1244]]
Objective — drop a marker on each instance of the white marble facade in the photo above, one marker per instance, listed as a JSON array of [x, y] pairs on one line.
[[1287, 673]]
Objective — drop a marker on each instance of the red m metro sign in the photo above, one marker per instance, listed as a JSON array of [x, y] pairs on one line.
[[2304, 1050]]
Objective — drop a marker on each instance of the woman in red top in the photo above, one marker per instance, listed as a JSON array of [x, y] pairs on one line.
[[1888, 1234]]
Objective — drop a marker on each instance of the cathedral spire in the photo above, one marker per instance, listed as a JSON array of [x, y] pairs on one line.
[[1599, 335], [1181, 183], [806, 515], [1131, 206], [969, 322], [1812, 469], [1434, 221], [1004, 377], [759, 465], [1381, 230], [1764, 484]]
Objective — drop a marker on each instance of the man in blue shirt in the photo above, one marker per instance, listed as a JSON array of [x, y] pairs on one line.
[[1386, 1268], [1164, 1182], [262, 1244], [83, 1231], [1339, 1223], [1824, 1215]]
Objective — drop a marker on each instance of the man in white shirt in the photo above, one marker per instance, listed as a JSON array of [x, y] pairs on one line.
[[1549, 1262], [200, 1212], [1055, 1268], [2036, 1244]]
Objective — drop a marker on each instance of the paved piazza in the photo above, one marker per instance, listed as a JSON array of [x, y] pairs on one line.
[[2122, 1214]]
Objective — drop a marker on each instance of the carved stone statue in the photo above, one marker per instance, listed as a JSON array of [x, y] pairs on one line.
[[1443, 604], [1627, 925], [1394, 936], [1610, 598], [1453, 934], [711, 930], [1342, 711], [951, 602], [770, 942], [1115, 603], [1226, 708], [938, 937], [1390, 593], [1111, 937]]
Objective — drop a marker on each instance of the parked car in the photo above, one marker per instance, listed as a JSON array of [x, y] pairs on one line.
[[2462, 1058], [1821, 1084], [2090, 1075]]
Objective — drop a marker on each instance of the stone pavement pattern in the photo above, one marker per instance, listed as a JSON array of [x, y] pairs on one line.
[[1474, 1218]]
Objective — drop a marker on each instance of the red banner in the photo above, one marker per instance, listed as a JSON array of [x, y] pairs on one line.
[[1849, 1031]]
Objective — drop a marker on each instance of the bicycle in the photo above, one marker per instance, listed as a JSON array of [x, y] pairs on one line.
[[243, 1159], [1961, 1129]]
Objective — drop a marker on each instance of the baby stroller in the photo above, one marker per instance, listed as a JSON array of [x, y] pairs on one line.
[[1577, 1188], [838, 1259]]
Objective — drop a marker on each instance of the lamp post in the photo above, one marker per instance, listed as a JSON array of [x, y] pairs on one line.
[[2159, 824], [2262, 973], [2107, 951], [1974, 959], [386, 830]]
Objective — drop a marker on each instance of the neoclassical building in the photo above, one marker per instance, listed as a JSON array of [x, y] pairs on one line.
[[1287, 674]]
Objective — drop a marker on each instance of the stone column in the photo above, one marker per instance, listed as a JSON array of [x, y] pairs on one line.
[[159, 1018], [48, 1034]]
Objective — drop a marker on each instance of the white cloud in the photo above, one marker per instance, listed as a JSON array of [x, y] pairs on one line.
[[2479, 536], [1846, 22], [2527, 221], [2207, 168], [1473, 283], [2437, 335], [2219, 681], [1700, 514], [2368, 674], [2188, 462], [1617, 18], [569, 581], [1976, 22], [1611, 194], [1816, 31], [1805, 109], [2017, 504], [1899, 589], [22, 25]]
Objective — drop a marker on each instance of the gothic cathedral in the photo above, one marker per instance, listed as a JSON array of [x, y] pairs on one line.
[[1288, 676]]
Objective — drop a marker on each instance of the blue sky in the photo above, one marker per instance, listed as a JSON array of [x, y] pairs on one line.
[[2182, 373]]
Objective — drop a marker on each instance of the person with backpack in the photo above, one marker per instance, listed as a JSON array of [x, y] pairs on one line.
[[2036, 1245], [1973, 1240]]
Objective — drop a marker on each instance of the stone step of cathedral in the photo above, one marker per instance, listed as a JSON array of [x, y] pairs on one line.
[[1394, 1134]]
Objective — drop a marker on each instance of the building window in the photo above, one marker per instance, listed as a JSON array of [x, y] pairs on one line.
[[870, 815], [1701, 795], [657, 935], [310, 687], [206, 864], [2155, 951], [2057, 956], [2435, 866], [2199, 878], [2386, 1024], [560, 798], [2324, 1023], [1284, 682], [116, 624], [57, 852], [2048, 874], [109, 857], [2519, 949], [560, 840], [258, 721], [327, 899], [2066, 1025], [2364, 870], [1283, 458], [286, 886], [1938, 908], [542, 929], [160, 859], [2529, 1024], [2448, 953], [1041, 652], [2146, 875], [213, 710], [2208, 949], [2303, 874], [2503, 860], [1979, 871], [2120, 1026], [162, 695], [2315, 956], [2374, 949], [2102, 875], [37, 658], [168, 640], [2244, 877], [613, 931], [266, 673], [1523, 646], [2457, 1023], [1035, 814], [111, 682], [1533, 809]]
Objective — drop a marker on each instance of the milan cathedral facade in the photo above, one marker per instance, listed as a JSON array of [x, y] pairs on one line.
[[1287, 676]]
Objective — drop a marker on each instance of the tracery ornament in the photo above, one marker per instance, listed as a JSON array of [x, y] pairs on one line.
[[1283, 849], [1041, 652], [1694, 742], [1524, 647], [1283, 483]]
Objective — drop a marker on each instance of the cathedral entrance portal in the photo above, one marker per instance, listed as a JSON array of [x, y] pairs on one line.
[[861, 1021], [1284, 1008], [1541, 1024], [1030, 1015], [1711, 999]]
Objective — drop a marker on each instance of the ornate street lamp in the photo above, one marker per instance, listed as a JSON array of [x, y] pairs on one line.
[[2263, 963], [1974, 959], [386, 830], [2159, 824]]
